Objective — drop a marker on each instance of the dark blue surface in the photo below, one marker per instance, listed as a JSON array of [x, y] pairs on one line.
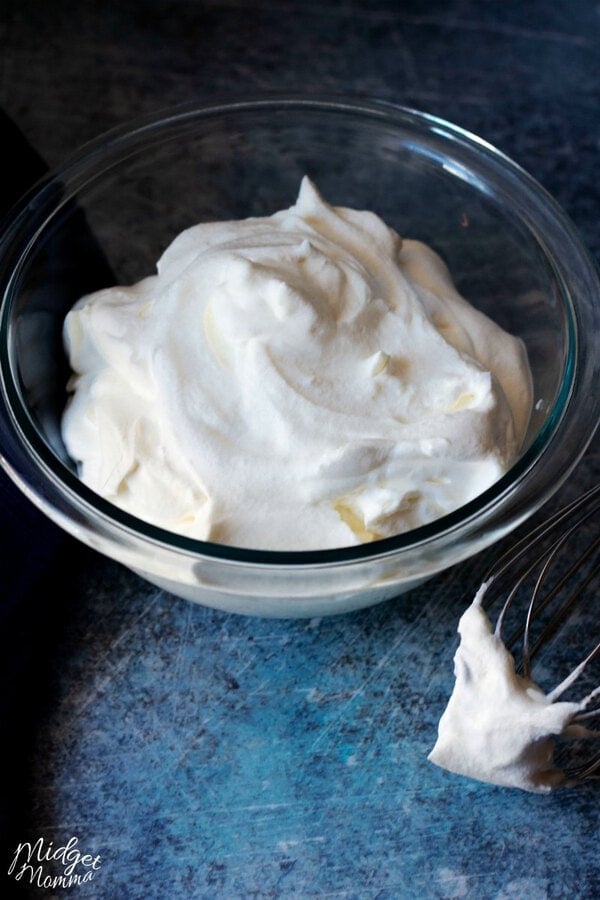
[[203, 755]]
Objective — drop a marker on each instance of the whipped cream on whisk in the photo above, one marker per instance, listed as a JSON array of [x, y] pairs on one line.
[[498, 727], [300, 381]]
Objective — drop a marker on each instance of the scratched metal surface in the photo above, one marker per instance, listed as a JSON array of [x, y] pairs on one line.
[[204, 755]]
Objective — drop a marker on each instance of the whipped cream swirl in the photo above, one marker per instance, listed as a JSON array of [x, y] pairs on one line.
[[301, 381]]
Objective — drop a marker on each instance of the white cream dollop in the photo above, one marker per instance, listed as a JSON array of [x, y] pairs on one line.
[[498, 726], [301, 381]]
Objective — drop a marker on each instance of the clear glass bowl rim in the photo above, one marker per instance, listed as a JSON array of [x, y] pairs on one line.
[[523, 489]]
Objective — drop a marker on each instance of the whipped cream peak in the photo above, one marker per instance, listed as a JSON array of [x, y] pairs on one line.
[[498, 726], [297, 381]]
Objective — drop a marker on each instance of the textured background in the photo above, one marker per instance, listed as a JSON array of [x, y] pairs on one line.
[[204, 755]]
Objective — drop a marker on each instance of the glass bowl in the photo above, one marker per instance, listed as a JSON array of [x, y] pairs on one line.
[[108, 214]]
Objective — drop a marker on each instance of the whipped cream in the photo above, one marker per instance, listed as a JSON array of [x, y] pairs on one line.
[[300, 381], [498, 726]]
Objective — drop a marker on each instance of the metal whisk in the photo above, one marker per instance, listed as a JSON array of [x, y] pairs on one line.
[[539, 571]]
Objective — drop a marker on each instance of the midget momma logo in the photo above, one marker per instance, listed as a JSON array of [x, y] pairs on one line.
[[46, 866]]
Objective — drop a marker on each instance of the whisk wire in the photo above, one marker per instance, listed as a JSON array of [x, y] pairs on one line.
[[533, 541], [587, 770], [518, 550], [561, 614], [542, 548]]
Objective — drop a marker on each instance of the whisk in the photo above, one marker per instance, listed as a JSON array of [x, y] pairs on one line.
[[553, 582]]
